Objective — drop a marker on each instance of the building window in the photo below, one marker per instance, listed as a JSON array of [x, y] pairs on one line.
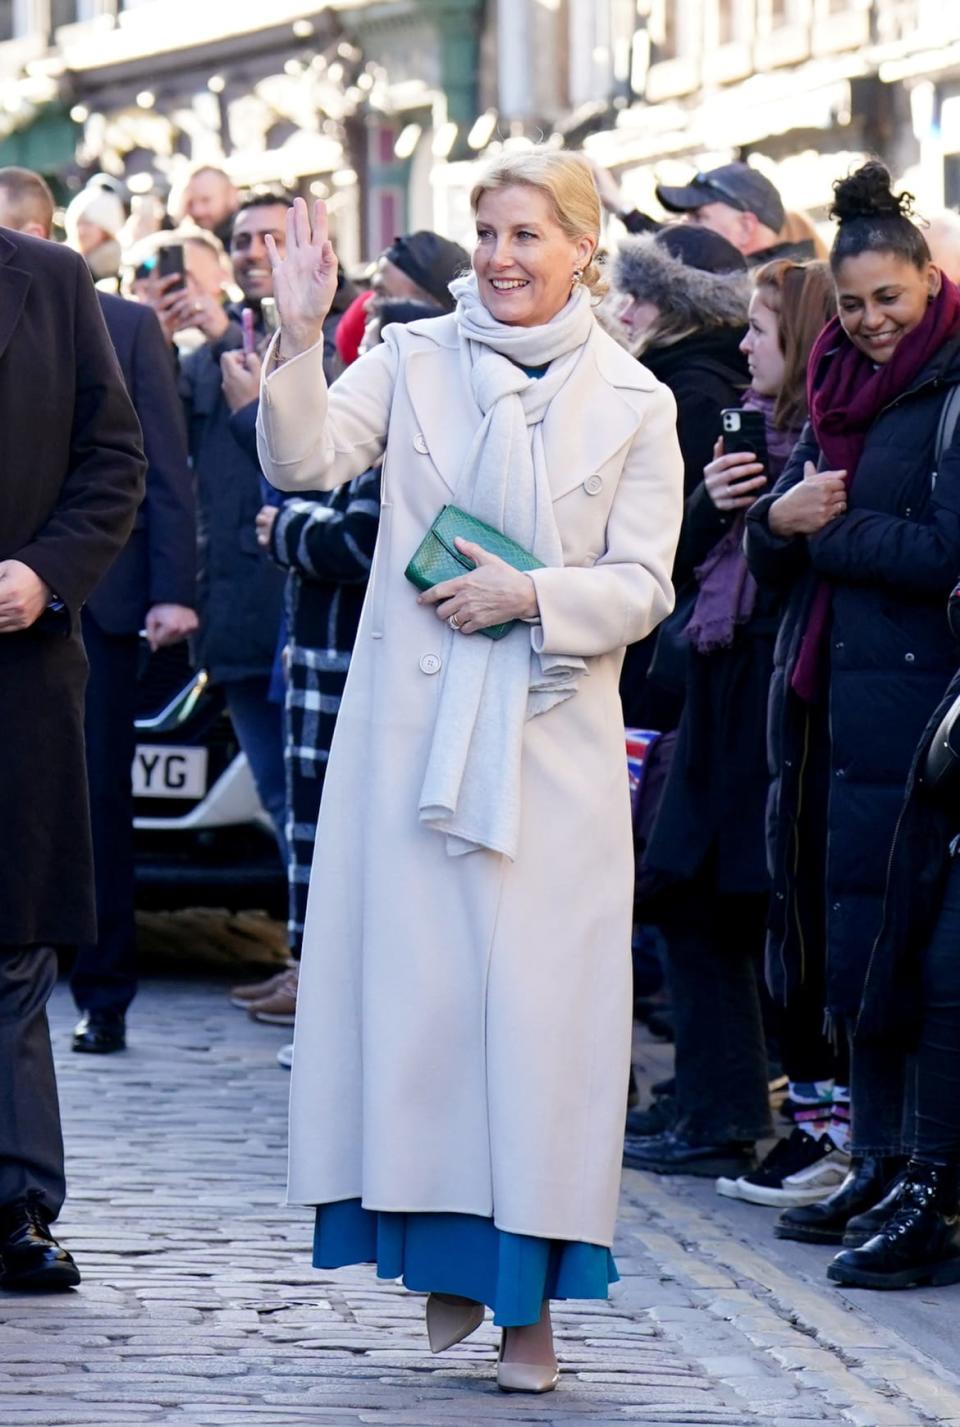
[[735, 20], [63, 12], [673, 23], [6, 19]]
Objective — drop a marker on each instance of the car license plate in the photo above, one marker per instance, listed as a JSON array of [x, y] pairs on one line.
[[161, 770]]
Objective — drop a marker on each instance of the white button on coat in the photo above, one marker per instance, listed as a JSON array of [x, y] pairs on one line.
[[420, 443], [593, 485], [430, 663]]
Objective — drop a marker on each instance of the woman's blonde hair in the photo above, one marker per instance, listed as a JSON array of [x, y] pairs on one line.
[[567, 180]]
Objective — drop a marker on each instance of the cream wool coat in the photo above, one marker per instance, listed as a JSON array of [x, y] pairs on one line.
[[463, 1024]]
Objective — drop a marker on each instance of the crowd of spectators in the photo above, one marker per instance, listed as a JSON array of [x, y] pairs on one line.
[[806, 941]]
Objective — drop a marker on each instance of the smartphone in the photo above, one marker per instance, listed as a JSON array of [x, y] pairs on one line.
[[170, 264], [249, 335], [269, 315], [744, 431]]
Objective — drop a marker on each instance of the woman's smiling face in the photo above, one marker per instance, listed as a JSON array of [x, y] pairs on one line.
[[881, 297], [523, 259]]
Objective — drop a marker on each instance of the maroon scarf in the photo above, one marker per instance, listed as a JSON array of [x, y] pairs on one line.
[[846, 393]]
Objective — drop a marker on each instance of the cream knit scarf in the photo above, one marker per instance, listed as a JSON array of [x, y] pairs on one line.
[[471, 790]]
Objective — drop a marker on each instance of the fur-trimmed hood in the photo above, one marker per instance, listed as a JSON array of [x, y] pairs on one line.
[[645, 269]]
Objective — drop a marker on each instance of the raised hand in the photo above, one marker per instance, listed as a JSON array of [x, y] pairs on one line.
[[304, 278]]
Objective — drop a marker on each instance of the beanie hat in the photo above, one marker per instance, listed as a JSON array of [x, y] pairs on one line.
[[431, 262], [403, 310], [100, 206], [691, 273]]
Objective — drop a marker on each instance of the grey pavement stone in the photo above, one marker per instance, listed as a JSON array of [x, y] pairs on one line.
[[199, 1307]]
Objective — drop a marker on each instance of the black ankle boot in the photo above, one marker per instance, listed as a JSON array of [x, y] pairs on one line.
[[869, 1180], [919, 1243], [863, 1226]]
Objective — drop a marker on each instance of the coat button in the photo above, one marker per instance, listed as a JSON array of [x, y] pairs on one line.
[[835, 907], [593, 485], [430, 663], [420, 443], [909, 658]]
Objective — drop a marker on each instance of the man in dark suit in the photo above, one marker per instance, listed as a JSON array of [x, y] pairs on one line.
[[73, 472], [151, 585]]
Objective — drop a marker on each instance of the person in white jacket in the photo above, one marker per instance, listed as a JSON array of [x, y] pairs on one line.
[[463, 1026]]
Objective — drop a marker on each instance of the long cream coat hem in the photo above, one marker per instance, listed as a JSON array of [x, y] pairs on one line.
[[463, 1025]]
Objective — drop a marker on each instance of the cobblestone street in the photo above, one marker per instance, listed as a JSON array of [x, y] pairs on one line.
[[199, 1307]]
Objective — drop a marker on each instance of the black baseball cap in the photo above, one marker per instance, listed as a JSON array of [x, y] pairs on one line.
[[738, 185]]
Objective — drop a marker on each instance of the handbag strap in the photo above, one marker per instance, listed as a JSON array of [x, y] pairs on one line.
[[946, 429]]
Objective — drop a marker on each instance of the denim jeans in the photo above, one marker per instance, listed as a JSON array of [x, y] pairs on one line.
[[258, 724]]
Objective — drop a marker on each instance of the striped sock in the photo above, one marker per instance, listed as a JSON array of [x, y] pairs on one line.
[[839, 1130], [812, 1102]]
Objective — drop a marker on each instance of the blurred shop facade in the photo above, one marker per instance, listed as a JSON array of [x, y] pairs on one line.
[[386, 107]]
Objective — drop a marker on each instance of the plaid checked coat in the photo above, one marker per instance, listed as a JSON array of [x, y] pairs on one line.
[[326, 543]]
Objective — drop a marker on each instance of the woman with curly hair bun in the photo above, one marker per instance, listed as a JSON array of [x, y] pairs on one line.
[[862, 533]]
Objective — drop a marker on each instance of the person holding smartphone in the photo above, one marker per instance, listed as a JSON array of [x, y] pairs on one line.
[[709, 833]]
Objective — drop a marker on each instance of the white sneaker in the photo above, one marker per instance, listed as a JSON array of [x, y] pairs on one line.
[[798, 1170], [285, 1056]]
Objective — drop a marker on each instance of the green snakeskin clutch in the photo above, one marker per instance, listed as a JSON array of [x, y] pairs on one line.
[[437, 557]]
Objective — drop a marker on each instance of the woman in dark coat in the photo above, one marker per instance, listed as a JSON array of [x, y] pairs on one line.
[[863, 536], [683, 295], [911, 1006], [709, 834]]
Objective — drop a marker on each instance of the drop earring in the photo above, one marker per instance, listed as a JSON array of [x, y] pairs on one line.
[[577, 276]]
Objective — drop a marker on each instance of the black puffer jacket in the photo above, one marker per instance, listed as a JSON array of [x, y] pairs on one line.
[[892, 561], [917, 871]]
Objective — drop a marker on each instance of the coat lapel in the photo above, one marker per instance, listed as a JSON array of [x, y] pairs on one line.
[[591, 420], [14, 285], [446, 414]]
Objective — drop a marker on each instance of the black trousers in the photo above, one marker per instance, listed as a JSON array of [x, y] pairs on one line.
[[937, 1063], [920, 1091], [714, 958], [31, 1142], [104, 975]]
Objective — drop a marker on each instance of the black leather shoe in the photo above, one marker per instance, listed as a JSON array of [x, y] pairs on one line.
[[655, 1120], [863, 1226], [101, 1032], [32, 1259], [825, 1222], [919, 1243], [669, 1153]]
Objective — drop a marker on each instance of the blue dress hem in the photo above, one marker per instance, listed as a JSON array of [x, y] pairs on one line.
[[463, 1254]]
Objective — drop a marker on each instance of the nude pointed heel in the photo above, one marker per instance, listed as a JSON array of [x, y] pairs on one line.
[[525, 1377], [451, 1319]]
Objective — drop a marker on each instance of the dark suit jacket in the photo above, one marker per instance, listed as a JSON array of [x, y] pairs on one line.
[[72, 477], [158, 563], [240, 588]]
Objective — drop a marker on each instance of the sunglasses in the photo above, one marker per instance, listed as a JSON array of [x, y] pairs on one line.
[[704, 180]]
